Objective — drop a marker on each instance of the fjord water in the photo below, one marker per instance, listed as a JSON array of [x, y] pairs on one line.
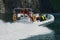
[[56, 25]]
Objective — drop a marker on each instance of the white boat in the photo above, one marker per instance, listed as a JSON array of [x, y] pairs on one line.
[[24, 18]]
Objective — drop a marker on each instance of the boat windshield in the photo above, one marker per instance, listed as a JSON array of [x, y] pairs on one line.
[[18, 10], [33, 4]]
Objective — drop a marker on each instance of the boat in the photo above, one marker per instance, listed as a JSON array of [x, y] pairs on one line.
[[25, 15]]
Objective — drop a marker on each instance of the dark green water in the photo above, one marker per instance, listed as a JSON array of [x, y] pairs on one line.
[[56, 25]]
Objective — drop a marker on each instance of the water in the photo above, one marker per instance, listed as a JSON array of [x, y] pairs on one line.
[[30, 31], [56, 25]]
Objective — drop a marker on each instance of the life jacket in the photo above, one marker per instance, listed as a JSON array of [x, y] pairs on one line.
[[27, 12], [43, 17]]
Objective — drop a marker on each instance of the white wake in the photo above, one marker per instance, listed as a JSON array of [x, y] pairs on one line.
[[15, 31]]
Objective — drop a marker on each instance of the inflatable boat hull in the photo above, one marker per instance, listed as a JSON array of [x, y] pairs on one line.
[[50, 19]]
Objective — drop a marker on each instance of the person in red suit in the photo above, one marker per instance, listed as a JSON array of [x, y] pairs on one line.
[[25, 11]]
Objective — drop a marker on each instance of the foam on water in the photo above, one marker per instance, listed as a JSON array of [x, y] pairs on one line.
[[15, 31]]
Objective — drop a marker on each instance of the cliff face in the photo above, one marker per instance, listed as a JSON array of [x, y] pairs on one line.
[[56, 5], [2, 8], [46, 6], [43, 5], [11, 4]]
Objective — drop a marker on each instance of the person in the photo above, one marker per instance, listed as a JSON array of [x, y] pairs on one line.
[[34, 17], [26, 11], [14, 17], [22, 11], [41, 18]]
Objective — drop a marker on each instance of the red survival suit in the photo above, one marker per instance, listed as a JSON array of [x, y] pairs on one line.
[[27, 12]]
